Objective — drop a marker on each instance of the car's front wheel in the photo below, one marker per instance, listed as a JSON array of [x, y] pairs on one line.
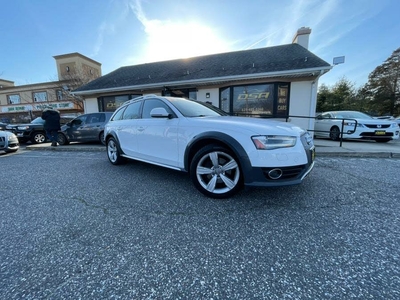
[[334, 134], [62, 139], [215, 172], [38, 137], [113, 152]]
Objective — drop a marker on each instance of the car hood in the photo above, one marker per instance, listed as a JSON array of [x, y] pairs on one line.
[[252, 125], [372, 121], [23, 124], [6, 133]]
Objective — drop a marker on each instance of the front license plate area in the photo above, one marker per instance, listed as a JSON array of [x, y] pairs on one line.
[[312, 154], [380, 132]]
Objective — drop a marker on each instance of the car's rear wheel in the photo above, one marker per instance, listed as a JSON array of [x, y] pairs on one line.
[[334, 134], [113, 152], [101, 138], [215, 172], [10, 151], [62, 139], [38, 137]]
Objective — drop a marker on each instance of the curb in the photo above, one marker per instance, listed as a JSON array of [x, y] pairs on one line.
[[358, 154], [82, 148], [66, 149]]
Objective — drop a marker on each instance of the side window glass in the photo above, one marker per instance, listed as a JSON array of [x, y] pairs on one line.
[[102, 117], [79, 121], [118, 115], [153, 103], [132, 111], [93, 118]]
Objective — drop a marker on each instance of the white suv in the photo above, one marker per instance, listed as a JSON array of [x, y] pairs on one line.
[[220, 152]]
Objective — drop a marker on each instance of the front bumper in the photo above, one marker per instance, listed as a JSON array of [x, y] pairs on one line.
[[8, 145], [289, 175], [282, 176]]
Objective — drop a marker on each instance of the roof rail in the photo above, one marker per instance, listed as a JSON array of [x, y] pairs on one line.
[[140, 97]]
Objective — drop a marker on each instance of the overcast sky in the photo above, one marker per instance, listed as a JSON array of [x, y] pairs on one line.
[[126, 32]]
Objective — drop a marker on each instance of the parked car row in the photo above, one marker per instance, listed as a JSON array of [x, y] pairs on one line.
[[84, 128], [356, 125]]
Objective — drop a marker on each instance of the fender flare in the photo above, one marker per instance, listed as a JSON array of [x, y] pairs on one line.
[[230, 142]]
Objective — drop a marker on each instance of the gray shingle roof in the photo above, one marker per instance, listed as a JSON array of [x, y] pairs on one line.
[[275, 59]]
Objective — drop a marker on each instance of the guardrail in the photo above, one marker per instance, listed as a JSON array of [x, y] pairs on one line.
[[288, 118]]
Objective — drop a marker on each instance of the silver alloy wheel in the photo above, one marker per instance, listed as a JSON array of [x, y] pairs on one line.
[[39, 138], [218, 172], [112, 151]]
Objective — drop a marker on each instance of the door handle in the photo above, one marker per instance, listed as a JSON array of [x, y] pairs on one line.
[[140, 128]]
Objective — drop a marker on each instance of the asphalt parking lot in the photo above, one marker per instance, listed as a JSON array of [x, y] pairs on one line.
[[75, 227]]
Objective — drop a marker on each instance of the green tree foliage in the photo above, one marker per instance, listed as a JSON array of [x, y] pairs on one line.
[[341, 96], [380, 96], [384, 85]]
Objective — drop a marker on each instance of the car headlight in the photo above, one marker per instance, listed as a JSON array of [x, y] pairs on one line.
[[23, 127], [12, 137], [269, 142], [394, 125], [352, 124]]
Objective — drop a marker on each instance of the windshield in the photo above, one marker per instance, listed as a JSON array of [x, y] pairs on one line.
[[190, 108], [352, 115], [38, 120]]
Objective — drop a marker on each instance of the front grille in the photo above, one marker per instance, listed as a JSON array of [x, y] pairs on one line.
[[287, 172], [374, 126], [2, 139]]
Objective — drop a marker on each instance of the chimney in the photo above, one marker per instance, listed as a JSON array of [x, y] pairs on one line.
[[302, 36]]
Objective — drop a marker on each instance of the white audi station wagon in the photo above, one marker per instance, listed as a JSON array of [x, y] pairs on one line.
[[221, 153]]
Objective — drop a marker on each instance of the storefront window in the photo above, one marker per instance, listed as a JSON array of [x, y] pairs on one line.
[[111, 103], [261, 100], [282, 107], [253, 99]]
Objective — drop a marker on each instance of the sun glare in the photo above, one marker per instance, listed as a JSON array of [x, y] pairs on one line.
[[169, 40]]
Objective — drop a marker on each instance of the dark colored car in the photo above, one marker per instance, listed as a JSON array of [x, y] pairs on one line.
[[33, 131], [3, 126], [85, 128]]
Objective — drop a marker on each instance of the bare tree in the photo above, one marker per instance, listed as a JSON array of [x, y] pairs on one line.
[[73, 80]]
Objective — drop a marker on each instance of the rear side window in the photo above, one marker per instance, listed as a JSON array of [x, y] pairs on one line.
[[118, 114], [94, 118], [132, 111]]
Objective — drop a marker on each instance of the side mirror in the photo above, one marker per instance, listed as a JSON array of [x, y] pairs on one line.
[[160, 112]]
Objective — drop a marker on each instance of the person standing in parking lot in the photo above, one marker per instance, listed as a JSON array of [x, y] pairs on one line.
[[52, 125]]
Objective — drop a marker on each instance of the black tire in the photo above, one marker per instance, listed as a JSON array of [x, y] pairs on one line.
[[101, 138], [10, 151], [38, 137], [215, 172], [334, 134], [114, 152], [382, 140], [62, 139]]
